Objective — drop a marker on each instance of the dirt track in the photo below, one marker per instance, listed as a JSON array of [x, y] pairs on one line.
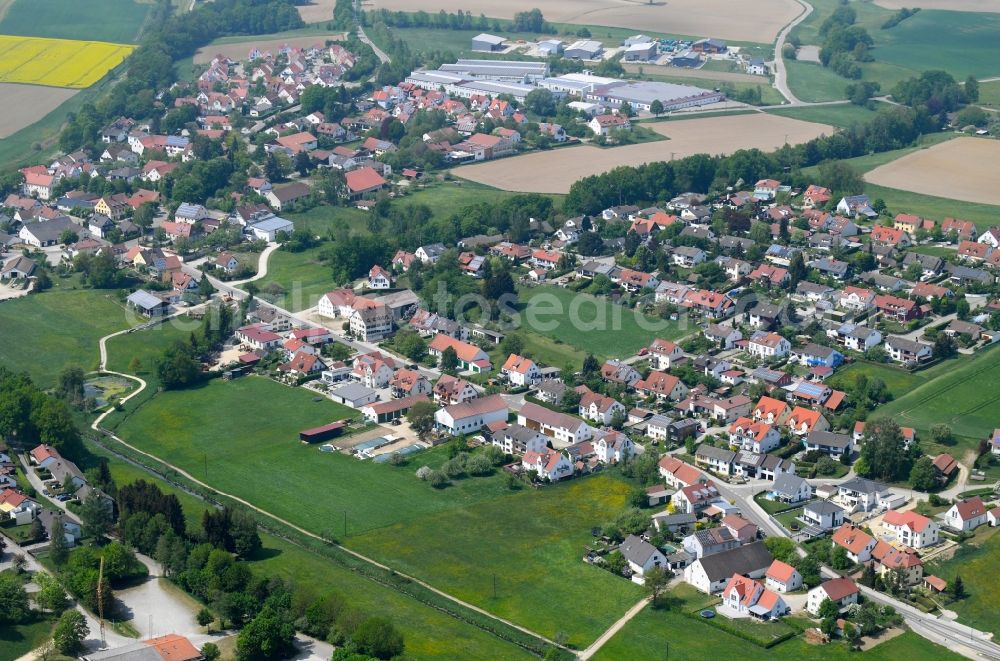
[[26, 104], [758, 21], [555, 171], [961, 169]]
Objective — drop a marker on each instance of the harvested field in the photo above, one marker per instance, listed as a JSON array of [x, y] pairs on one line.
[[555, 171], [317, 10], [241, 50], [944, 171], [758, 21], [986, 6], [26, 104]]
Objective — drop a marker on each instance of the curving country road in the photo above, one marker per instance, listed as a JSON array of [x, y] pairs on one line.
[[780, 72]]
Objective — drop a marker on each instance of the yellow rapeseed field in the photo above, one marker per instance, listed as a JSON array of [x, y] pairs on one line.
[[57, 62]]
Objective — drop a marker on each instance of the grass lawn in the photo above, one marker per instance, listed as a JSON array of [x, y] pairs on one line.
[[771, 506], [193, 427], [843, 115], [43, 333], [976, 561], [937, 251], [938, 208], [989, 93], [921, 42], [323, 220], [16, 640], [668, 634], [964, 396], [116, 21], [429, 634], [810, 81], [531, 540], [298, 278], [897, 380], [531, 545], [768, 95], [591, 324]]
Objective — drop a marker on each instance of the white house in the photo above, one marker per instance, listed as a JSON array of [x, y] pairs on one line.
[[757, 437], [966, 515], [379, 278], [823, 514], [856, 542], [641, 555], [768, 345], [745, 596], [549, 464], [790, 488], [515, 439], [561, 427], [599, 408], [613, 447], [782, 577], [841, 591], [912, 529], [663, 354], [471, 416], [711, 573], [520, 371]]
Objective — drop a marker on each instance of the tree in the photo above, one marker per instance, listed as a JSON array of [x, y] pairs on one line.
[[590, 366], [205, 287], [781, 548], [828, 608], [58, 549], [957, 588], [942, 434], [883, 454], [143, 216], [96, 517], [269, 635], [945, 346], [923, 476], [541, 102], [421, 418], [210, 651], [449, 361], [971, 89], [656, 582], [70, 386], [656, 107], [809, 568], [962, 308], [205, 617], [378, 637], [14, 606], [68, 236], [839, 559], [70, 632], [50, 595], [303, 163]]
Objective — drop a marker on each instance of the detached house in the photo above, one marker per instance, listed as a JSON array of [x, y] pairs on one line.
[[563, 428], [757, 437], [911, 529], [597, 407], [470, 357], [641, 555], [768, 345], [782, 577], [841, 591], [966, 515], [470, 417], [548, 464], [520, 371], [856, 542]]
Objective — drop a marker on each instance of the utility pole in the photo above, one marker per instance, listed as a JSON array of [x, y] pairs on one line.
[[345, 524], [100, 600], [494, 586]]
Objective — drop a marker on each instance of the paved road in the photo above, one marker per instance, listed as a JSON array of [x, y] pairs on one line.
[[780, 72]]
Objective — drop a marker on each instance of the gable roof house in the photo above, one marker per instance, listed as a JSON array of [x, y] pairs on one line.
[[565, 429], [471, 416], [966, 514], [641, 555], [841, 591], [470, 357], [856, 542], [712, 573]]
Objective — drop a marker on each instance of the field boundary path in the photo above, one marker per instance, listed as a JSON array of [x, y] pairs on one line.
[[96, 426], [780, 72]]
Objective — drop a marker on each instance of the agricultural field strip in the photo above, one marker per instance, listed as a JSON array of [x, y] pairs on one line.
[[57, 62]]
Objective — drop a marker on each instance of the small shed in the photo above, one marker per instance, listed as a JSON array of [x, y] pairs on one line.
[[323, 433], [487, 43]]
